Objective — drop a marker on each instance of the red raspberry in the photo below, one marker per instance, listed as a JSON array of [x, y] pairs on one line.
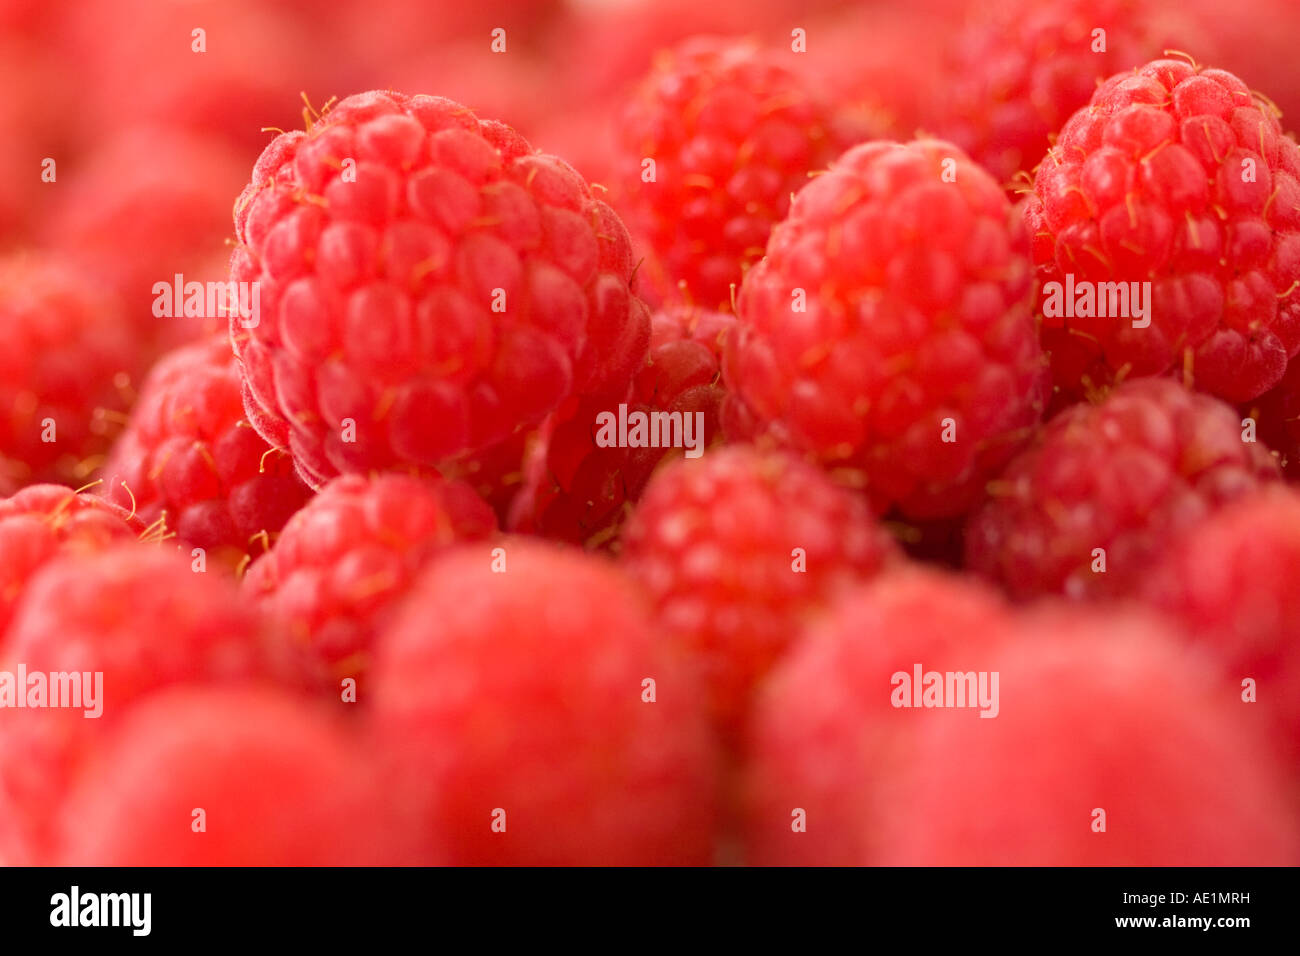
[[736, 550], [1230, 581], [65, 372], [1122, 476], [579, 491], [298, 796], [824, 735], [1019, 71], [522, 691], [1259, 45], [732, 133], [43, 521], [145, 206], [1096, 712], [343, 563], [141, 617], [378, 346], [1181, 177], [888, 331], [189, 459]]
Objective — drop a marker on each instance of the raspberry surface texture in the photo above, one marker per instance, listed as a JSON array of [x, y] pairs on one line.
[[736, 551], [731, 133], [429, 285], [189, 459], [1086, 509], [66, 373], [1180, 177], [343, 563], [888, 331], [578, 488], [536, 716]]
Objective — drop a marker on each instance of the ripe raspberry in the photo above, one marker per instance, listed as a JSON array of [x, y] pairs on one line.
[[145, 206], [140, 616], [891, 316], [300, 796], [1096, 712], [42, 521], [579, 491], [1121, 476], [738, 549], [523, 691], [1020, 71], [1178, 176], [188, 459], [1230, 582], [823, 733], [378, 346], [343, 563], [732, 134], [65, 372]]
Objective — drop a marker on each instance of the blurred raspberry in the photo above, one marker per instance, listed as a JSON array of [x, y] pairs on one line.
[[511, 693], [139, 616], [66, 370], [1022, 68], [1122, 476], [737, 550], [301, 796], [378, 345], [1257, 46], [888, 331], [1230, 582], [1096, 712], [189, 459], [824, 735], [732, 133], [344, 562], [149, 204], [41, 522], [576, 489], [1178, 176]]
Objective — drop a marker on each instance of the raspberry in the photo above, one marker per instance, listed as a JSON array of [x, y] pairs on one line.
[[1230, 582], [823, 730], [42, 521], [520, 699], [1121, 476], [65, 372], [1097, 711], [577, 490], [732, 134], [736, 550], [189, 460], [1019, 72], [1181, 177], [145, 206], [343, 563], [888, 331], [378, 346], [142, 618], [300, 796]]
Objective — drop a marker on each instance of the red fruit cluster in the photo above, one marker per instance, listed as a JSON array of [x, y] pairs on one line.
[[189, 459], [429, 285], [1180, 177], [888, 330]]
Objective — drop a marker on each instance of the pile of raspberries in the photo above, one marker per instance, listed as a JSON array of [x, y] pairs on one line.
[[612, 434]]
